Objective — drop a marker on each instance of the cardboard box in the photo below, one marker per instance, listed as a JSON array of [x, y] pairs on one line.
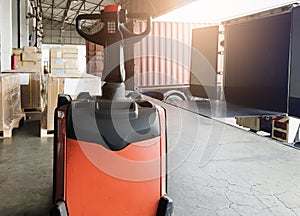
[[250, 122], [71, 64], [73, 71], [60, 63], [93, 47], [36, 57], [56, 53], [70, 49], [30, 85], [64, 60], [31, 91], [17, 51], [28, 59], [285, 128], [68, 84], [65, 71], [58, 71], [30, 49], [70, 56], [95, 67], [68, 52], [57, 63], [29, 66], [10, 101], [92, 56]]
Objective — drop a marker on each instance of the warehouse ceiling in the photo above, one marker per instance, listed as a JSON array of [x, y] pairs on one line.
[[219, 10], [59, 13], [58, 17], [66, 11]]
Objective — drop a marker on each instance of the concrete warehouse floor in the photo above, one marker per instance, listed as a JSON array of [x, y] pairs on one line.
[[214, 169]]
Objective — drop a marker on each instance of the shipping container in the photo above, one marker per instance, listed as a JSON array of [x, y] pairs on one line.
[[163, 57]]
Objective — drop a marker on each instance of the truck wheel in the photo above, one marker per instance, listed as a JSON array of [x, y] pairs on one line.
[[174, 95]]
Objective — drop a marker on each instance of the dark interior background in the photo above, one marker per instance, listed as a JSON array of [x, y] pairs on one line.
[[257, 63], [294, 100]]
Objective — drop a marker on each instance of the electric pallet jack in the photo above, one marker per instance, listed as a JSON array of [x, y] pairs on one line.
[[110, 150]]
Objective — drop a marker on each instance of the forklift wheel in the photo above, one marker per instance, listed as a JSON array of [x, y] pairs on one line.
[[165, 207], [54, 211], [59, 209]]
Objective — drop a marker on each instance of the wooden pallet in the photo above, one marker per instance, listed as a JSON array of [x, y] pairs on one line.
[[33, 109], [7, 132], [46, 133]]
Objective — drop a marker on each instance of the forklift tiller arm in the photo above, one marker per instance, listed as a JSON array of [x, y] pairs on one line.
[[113, 36], [123, 33]]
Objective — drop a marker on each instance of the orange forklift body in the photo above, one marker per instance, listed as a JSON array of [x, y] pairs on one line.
[[93, 180], [110, 150]]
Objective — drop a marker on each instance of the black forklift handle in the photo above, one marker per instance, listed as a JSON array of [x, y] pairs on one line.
[[85, 17], [129, 34]]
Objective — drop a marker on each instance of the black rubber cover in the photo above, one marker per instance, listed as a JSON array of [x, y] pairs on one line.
[[113, 125], [165, 206]]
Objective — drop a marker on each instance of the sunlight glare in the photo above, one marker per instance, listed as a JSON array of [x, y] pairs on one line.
[[218, 10]]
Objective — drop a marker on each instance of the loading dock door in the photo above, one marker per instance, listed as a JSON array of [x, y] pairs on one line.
[[294, 99], [204, 62], [257, 63]]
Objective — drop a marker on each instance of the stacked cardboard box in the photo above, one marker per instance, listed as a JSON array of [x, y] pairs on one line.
[[10, 101], [29, 73], [30, 83], [252, 123], [29, 58], [94, 59], [67, 84], [31, 91], [64, 60]]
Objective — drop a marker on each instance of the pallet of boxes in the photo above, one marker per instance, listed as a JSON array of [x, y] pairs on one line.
[[30, 77], [10, 104], [65, 77], [94, 59]]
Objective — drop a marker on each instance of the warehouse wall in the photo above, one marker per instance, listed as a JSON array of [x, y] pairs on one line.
[[14, 23], [9, 29], [53, 34], [24, 24], [5, 33], [24, 28]]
